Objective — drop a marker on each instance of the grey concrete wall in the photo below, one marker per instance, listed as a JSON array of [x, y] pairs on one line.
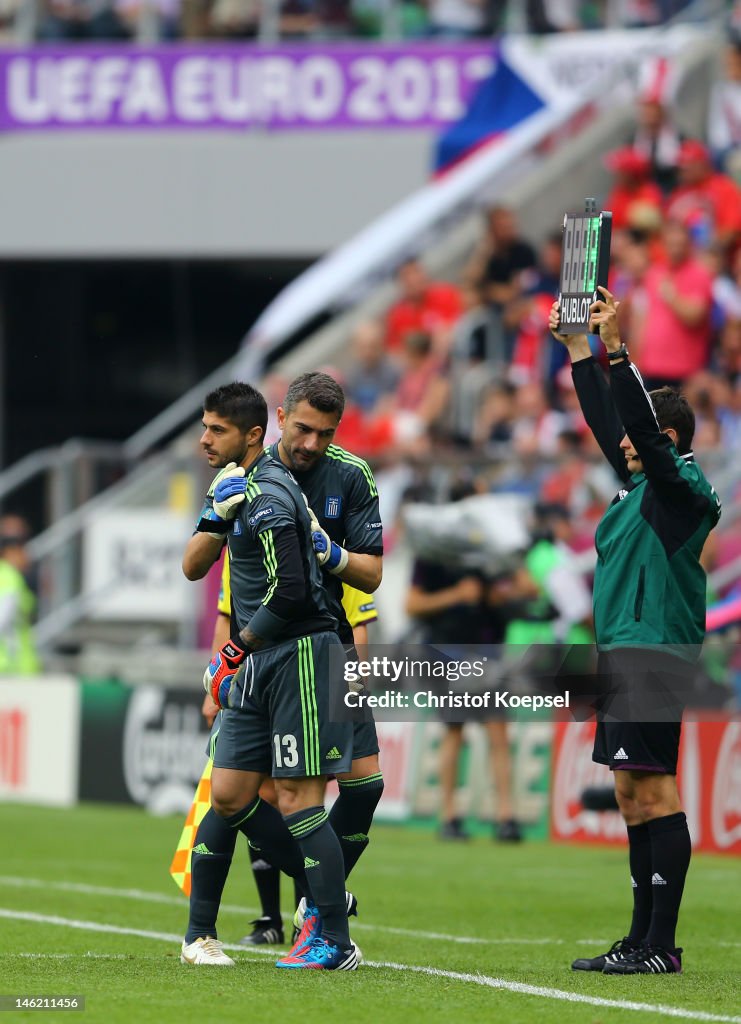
[[194, 195]]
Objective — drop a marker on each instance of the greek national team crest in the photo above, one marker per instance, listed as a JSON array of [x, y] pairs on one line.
[[332, 506]]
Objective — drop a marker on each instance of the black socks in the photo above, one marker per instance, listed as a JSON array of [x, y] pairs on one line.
[[210, 862], [671, 850], [325, 870], [267, 832], [267, 880], [639, 841], [352, 814]]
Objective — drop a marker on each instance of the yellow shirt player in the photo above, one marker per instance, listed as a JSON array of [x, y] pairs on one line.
[[360, 610]]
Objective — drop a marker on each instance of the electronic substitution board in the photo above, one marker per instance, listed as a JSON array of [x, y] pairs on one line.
[[585, 262]]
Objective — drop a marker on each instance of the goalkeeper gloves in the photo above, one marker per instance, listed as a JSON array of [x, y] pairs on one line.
[[220, 671], [228, 492], [330, 555]]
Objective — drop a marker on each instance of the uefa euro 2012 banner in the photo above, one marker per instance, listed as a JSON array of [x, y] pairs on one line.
[[300, 87], [233, 87]]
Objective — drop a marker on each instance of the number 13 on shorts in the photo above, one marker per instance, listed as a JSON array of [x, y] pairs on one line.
[[285, 750]]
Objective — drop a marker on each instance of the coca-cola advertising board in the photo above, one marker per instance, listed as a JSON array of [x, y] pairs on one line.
[[709, 779]]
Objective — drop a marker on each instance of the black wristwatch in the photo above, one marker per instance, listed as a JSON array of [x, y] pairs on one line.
[[620, 353]]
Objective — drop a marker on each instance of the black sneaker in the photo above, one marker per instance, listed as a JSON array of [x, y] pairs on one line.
[[508, 831], [453, 829], [617, 952], [648, 960], [265, 932]]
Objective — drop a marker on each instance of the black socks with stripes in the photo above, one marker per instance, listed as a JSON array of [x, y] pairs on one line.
[[351, 815], [325, 870], [211, 859], [266, 830]]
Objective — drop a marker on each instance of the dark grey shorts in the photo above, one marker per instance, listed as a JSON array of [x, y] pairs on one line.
[[278, 722], [365, 739]]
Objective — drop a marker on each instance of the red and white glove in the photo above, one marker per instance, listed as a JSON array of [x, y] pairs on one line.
[[221, 670]]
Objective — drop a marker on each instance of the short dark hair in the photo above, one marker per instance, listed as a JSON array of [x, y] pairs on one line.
[[321, 391], [673, 410], [239, 403]]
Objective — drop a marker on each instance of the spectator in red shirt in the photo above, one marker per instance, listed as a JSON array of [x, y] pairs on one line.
[[673, 336], [424, 305], [531, 354], [710, 203], [422, 386], [632, 185]]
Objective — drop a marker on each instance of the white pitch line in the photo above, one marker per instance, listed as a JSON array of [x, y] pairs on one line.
[[180, 901], [108, 929], [517, 987], [555, 993], [74, 956], [18, 881]]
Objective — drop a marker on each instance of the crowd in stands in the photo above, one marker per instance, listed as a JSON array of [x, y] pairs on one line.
[[472, 366], [147, 20], [465, 374]]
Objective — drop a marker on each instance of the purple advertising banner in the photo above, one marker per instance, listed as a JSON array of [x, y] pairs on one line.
[[237, 87]]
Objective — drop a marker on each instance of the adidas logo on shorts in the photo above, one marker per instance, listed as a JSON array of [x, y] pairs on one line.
[[333, 755], [620, 755], [656, 879]]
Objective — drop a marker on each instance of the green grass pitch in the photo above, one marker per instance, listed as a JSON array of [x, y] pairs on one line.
[[469, 932]]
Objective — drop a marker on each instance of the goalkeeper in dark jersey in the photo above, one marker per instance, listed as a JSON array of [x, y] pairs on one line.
[[348, 538], [273, 678], [359, 609]]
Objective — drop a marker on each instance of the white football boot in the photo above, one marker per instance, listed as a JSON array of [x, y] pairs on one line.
[[206, 951]]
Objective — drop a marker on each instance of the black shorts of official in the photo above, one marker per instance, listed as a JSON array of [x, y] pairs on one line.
[[278, 721], [638, 746], [637, 684]]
